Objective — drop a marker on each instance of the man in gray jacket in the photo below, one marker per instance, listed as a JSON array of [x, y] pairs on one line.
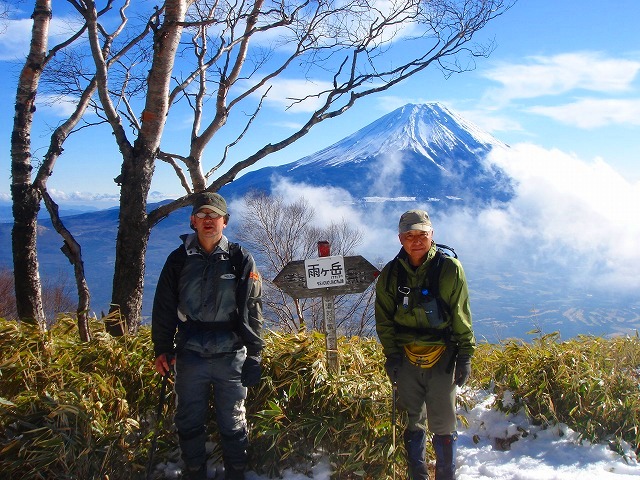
[[207, 319]]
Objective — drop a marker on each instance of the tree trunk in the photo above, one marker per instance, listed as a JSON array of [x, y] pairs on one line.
[[131, 245], [26, 199], [26, 204], [73, 252], [135, 179]]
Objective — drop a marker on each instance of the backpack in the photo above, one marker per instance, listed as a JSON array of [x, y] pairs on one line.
[[430, 299], [235, 257]]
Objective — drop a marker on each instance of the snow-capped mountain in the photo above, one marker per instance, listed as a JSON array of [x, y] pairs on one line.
[[426, 130], [418, 156], [422, 152]]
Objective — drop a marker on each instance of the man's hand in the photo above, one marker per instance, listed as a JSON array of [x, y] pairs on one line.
[[392, 364], [463, 370], [251, 371], [163, 363]]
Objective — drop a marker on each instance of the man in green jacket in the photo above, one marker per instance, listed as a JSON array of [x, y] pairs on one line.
[[423, 320]]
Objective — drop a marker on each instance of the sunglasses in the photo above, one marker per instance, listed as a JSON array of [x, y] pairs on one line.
[[212, 215]]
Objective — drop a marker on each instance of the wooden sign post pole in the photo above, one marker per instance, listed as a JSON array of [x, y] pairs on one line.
[[328, 309]]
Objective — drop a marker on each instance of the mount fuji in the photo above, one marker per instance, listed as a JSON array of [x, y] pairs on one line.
[[418, 156], [417, 152]]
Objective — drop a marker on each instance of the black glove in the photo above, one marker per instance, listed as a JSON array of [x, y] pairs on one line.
[[392, 364], [251, 371], [463, 370]]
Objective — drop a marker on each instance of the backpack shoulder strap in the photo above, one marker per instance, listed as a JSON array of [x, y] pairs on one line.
[[401, 276], [434, 272], [236, 256], [433, 276], [178, 257], [442, 247]]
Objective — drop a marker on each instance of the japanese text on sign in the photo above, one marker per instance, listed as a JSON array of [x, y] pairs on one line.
[[325, 272]]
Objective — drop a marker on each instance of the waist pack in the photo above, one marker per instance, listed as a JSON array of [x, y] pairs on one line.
[[424, 356]]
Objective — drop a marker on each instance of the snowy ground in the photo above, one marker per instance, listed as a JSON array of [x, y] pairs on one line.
[[525, 452]]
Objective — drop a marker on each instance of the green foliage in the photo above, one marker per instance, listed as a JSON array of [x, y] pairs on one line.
[[87, 410], [590, 383], [70, 409], [301, 408]]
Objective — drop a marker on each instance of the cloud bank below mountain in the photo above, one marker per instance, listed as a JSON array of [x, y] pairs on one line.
[[580, 218]]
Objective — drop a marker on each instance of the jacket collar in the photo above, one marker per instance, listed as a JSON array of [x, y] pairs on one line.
[[191, 245]]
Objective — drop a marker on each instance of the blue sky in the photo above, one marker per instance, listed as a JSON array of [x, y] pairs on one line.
[[564, 75], [562, 88]]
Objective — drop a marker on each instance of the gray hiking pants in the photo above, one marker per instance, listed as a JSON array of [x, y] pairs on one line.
[[428, 395], [194, 377]]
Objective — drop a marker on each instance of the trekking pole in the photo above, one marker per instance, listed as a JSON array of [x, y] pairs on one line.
[[154, 439], [394, 390]]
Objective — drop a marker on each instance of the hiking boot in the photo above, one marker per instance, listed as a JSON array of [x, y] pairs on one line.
[[414, 443], [444, 447], [196, 473], [234, 472]]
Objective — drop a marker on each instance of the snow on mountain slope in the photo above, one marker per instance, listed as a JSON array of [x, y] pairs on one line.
[[422, 129], [417, 152]]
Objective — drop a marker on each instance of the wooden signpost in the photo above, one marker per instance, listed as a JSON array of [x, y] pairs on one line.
[[326, 277]]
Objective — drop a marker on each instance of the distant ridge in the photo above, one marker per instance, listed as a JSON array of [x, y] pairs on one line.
[[418, 155]]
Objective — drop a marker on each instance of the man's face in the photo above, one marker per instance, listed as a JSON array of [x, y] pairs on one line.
[[417, 244], [210, 226]]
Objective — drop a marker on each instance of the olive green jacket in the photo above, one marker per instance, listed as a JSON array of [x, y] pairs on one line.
[[453, 291]]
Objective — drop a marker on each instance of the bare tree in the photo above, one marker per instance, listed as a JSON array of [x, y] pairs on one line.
[[56, 296], [231, 56], [277, 232], [26, 198], [26, 194]]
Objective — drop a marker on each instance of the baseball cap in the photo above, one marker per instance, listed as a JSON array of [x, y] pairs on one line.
[[414, 220], [213, 201]]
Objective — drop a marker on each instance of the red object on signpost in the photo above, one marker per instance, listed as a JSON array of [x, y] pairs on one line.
[[324, 248]]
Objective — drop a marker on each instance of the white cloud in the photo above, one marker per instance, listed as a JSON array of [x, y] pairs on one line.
[[539, 76], [330, 204], [333, 205], [572, 220], [14, 41], [288, 125], [491, 121], [61, 106], [578, 217], [568, 216], [60, 196], [94, 199], [387, 175], [592, 113], [584, 217]]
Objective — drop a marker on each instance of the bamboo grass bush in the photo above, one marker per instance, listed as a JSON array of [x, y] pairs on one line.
[[590, 383], [301, 408], [87, 410]]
